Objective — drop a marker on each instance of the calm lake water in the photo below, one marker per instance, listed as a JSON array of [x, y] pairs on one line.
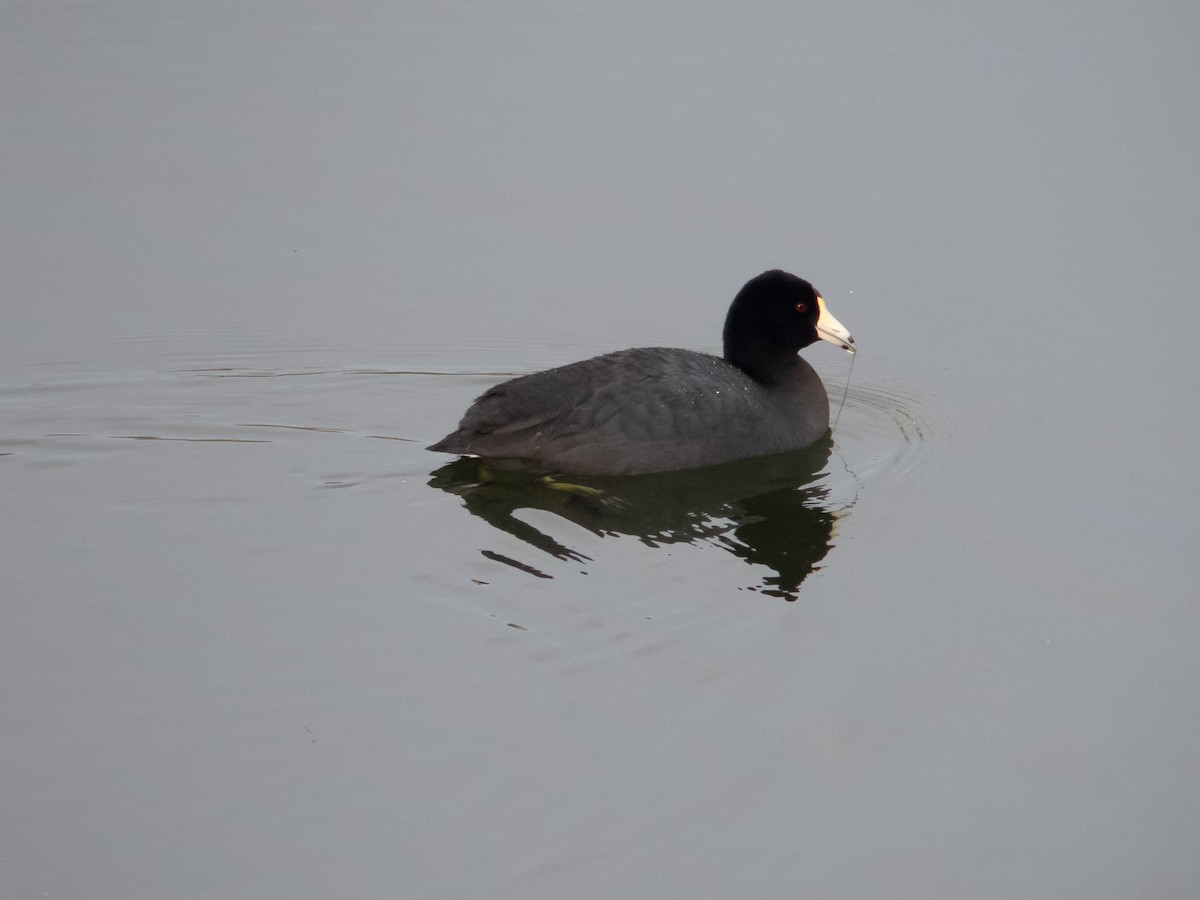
[[259, 643]]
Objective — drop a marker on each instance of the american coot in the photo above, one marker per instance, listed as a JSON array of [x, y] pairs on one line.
[[657, 409]]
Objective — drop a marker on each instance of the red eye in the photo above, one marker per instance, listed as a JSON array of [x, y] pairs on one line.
[[801, 307]]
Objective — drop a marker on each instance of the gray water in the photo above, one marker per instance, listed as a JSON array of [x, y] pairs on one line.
[[259, 643]]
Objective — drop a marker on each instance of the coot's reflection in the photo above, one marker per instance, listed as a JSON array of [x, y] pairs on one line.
[[769, 511]]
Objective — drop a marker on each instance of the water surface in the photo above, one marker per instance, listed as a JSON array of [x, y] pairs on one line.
[[259, 642]]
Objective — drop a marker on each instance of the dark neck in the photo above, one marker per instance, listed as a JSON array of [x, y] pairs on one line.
[[763, 359]]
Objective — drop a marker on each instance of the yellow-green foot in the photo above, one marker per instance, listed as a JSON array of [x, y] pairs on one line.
[[582, 490]]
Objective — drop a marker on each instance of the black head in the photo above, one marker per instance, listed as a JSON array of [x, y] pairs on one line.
[[774, 316]]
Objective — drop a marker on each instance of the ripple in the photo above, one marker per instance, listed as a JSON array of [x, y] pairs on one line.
[[889, 431], [899, 408], [912, 435]]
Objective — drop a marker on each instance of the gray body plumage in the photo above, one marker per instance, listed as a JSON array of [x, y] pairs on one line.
[[650, 409]]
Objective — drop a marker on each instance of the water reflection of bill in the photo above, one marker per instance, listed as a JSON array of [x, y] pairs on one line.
[[770, 511]]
